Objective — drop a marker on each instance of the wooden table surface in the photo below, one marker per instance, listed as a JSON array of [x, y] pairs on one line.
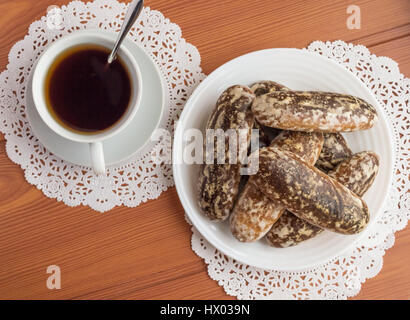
[[145, 252]]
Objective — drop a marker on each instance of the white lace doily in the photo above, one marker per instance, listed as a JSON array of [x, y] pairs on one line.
[[342, 277], [133, 182]]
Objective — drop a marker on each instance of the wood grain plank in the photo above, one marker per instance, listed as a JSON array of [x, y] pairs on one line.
[[144, 252]]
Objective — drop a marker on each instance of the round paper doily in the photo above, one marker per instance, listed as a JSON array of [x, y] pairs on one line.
[[342, 277], [127, 184]]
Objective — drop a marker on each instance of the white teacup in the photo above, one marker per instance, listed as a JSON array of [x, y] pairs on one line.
[[39, 92]]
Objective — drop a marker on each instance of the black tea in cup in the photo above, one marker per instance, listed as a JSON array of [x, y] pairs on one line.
[[85, 93]]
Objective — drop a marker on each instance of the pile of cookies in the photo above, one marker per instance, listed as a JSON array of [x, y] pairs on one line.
[[308, 179]]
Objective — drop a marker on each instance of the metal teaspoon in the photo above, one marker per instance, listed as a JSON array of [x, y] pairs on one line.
[[133, 11]]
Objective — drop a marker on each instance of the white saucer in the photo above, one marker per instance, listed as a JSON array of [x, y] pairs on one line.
[[130, 140]]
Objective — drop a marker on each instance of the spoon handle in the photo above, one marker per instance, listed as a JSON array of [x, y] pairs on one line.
[[134, 9]]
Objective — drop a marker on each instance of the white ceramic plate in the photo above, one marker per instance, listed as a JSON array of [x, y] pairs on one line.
[[299, 70], [130, 140]]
